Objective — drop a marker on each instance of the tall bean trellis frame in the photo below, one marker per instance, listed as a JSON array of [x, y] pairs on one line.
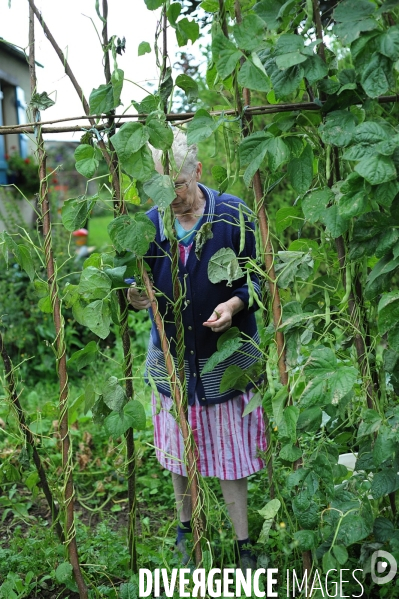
[[353, 285]]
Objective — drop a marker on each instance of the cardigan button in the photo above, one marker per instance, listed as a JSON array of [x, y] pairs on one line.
[[203, 399], [194, 374], [188, 302], [190, 328], [191, 352]]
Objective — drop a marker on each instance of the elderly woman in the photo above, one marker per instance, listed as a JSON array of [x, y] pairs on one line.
[[228, 444]]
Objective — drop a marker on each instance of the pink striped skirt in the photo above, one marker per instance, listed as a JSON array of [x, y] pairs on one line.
[[228, 445]]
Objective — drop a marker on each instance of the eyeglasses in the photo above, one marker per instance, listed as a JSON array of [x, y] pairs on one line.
[[183, 186]]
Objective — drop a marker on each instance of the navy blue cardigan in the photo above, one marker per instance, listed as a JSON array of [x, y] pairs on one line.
[[201, 298]]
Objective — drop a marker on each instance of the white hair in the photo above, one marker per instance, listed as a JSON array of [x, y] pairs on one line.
[[183, 157]]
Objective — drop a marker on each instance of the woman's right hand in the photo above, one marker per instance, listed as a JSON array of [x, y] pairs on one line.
[[139, 300]]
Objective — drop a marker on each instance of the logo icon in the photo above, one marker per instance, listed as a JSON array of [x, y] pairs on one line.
[[383, 563]]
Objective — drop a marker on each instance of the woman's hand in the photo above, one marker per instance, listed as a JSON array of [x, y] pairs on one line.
[[139, 300], [222, 317]]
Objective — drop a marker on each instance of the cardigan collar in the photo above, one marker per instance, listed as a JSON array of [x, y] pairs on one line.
[[209, 211]]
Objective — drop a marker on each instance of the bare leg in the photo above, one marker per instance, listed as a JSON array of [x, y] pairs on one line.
[[235, 496], [182, 496]]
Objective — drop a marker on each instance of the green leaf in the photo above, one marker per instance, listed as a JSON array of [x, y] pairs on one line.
[[26, 262], [293, 264], [76, 211], [300, 170], [270, 510], [173, 13], [350, 11], [309, 420], [353, 529], [287, 217], [233, 378], [314, 69], [287, 427], [383, 529], [84, 356], [388, 311], [160, 189], [328, 562], [144, 48], [132, 233], [334, 221], [384, 482], [63, 573], [117, 84], [288, 43], [376, 169], [101, 99], [370, 424], [351, 205], [249, 33], [130, 138], [375, 76], [113, 394], [219, 173], [305, 539], [140, 165], [287, 81], [359, 152], [254, 403], [253, 78], [314, 204], [116, 424], [41, 101], [252, 146], [338, 128], [290, 453], [86, 161], [278, 405], [370, 132], [388, 43], [135, 413], [189, 86], [201, 127], [290, 59], [97, 318], [340, 554], [223, 266], [278, 153], [187, 30], [306, 511], [269, 10], [44, 305], [153, 4], [322, 364], [225, 55], [159, 133], [149, 104], [203, 235], [384, 447], [94, 283], [227, 349]]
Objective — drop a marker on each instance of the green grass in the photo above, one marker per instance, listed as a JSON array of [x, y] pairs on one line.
[[98, 234]]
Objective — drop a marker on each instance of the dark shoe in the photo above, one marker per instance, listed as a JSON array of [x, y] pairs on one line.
[[181, 547], [247, 562]]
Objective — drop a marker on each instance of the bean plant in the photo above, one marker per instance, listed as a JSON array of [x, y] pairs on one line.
[[300, 104]]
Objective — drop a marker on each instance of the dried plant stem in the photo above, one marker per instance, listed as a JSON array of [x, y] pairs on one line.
[[120, 208], [177, 394], [13, 395], [70, 535]]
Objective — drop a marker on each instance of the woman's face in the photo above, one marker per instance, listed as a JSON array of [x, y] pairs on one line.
[[186, 189]]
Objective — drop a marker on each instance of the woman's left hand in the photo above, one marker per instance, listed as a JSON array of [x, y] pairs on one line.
[[222, 317]]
